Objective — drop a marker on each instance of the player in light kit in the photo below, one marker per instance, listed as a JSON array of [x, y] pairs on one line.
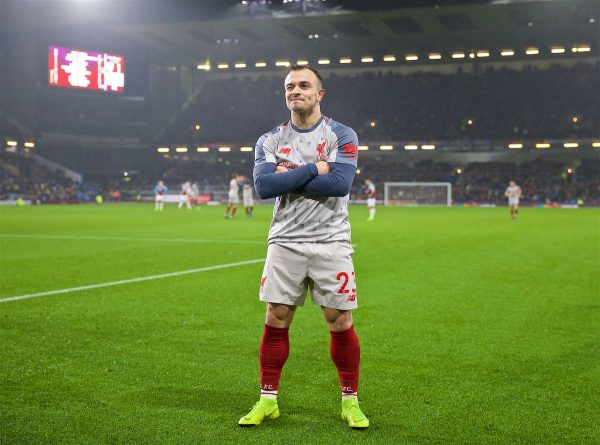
[[513, 193], [234, 196], [194, 192], [370, 199], [248, 196], [184, 195], [159, 190], [307, 164]]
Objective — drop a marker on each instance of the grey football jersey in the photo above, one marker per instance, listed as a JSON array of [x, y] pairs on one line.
[[299, 217]]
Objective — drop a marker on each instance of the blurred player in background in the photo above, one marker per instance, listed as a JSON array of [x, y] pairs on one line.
[[234, 196], [160, 190], [184, 195], [370, 198], [307, 164], [513, 193], [194, 192], [248, 196]]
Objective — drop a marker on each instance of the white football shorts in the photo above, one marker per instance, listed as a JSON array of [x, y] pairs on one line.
[[248, 198], [324, 268]]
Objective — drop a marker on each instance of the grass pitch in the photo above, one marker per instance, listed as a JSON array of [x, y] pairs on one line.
[[474, 329]]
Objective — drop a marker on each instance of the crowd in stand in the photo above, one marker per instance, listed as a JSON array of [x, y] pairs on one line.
[[21, 177], [541, 181], [492, 103]]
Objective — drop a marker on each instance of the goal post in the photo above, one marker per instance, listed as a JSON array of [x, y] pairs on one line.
[[417, 194]]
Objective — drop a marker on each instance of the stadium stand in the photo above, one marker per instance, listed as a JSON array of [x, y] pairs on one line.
[[484, 182], [23, 177], [502, 104]]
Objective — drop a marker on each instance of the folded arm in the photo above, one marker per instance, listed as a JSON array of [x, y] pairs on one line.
[[269, 184], [337, 182]]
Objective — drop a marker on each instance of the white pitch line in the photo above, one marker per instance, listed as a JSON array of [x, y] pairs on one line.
[[131, 238], [132, 280]]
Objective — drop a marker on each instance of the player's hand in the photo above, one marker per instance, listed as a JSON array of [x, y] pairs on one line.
[[281, 169], [322, 167]]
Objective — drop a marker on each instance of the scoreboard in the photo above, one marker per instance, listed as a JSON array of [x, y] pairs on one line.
[[89, 70]]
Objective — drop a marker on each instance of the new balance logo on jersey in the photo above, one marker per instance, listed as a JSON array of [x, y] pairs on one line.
[[351, 298], [285, 150]]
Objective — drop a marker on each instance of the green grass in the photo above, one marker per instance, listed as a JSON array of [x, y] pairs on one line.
[[474, 329]]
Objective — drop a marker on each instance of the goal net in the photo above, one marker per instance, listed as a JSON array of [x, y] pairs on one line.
[[417, 194]]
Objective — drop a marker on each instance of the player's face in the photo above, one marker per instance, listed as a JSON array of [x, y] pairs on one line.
[[302, 91]]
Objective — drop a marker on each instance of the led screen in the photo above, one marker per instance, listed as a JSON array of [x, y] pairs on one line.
[[90, 70]]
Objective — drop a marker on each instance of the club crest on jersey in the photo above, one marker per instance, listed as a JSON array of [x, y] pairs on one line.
[[284, 150], [350, 150], [321, 155]]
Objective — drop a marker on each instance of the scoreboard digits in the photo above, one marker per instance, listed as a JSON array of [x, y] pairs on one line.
[[85, 69]]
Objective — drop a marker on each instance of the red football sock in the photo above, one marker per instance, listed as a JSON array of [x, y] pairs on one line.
[[345, 352], [274, 351]]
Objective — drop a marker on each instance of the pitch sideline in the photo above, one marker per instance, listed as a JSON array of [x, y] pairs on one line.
[[132, 280]]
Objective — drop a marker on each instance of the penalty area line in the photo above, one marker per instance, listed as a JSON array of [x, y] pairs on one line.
[[131, 280]]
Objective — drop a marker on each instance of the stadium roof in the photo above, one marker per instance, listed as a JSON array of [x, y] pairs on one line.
[[344, 32], [193, 31]]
